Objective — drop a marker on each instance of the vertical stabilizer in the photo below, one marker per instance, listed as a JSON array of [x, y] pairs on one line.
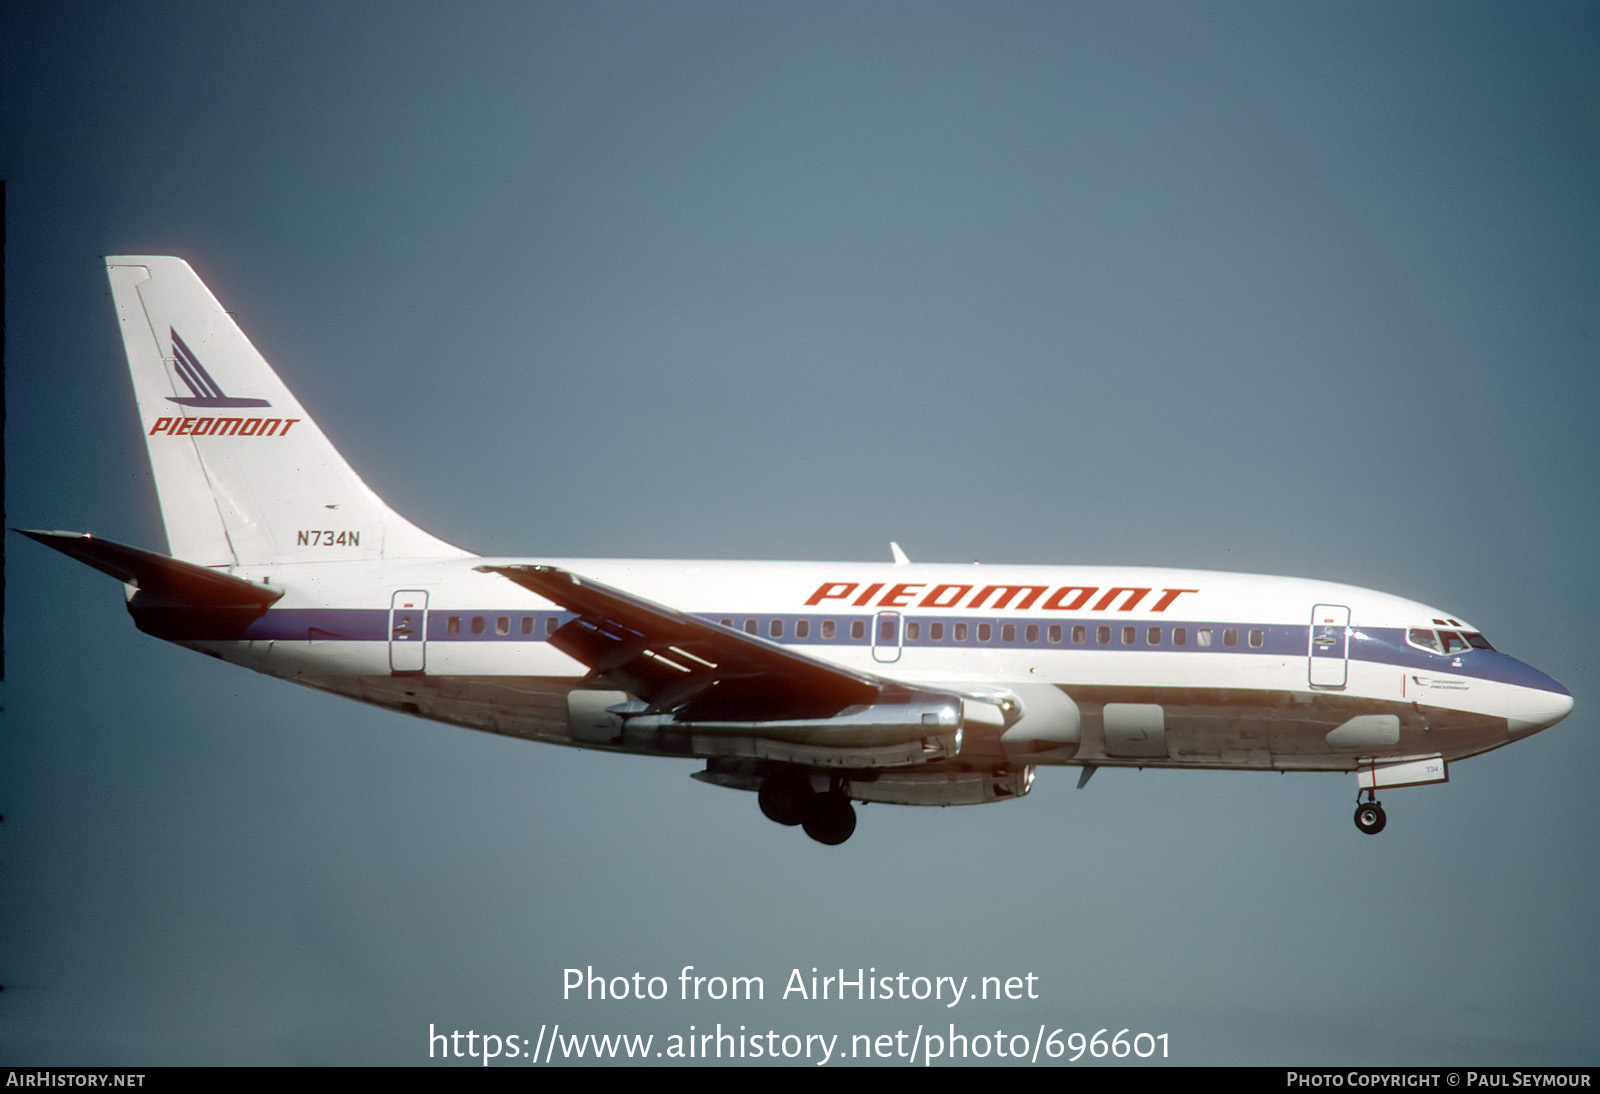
[[243, 474]]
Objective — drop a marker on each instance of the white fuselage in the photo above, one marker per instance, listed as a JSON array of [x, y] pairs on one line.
[[1161, 667], [813, 684]]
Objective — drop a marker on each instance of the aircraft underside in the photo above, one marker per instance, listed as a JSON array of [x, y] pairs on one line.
[[1201, 728]]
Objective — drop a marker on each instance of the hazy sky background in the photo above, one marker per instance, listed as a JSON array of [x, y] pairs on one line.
[[1289, 288]]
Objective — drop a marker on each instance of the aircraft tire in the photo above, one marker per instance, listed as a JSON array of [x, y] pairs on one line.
[[832, 819], [786, 799], [1370, 818]]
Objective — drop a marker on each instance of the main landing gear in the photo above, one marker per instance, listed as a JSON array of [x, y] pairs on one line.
[[1370, 817], [789, 799]]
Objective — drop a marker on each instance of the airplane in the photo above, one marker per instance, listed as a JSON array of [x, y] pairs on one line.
[[815, 685]]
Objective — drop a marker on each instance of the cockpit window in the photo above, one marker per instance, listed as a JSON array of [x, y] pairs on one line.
[[1425, 639], [1446, 642]]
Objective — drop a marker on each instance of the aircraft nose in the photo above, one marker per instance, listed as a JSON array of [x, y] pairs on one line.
[[1539, 708]]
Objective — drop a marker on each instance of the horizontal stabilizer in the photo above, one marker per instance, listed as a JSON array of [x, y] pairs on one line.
[[158, 574]]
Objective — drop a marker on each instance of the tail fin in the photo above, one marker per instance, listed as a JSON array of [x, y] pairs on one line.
[[243, 474]]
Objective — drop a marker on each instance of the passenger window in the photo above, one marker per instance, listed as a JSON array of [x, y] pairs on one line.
[[549, 624], [1032, 633], [1256, 638], [527, 624], [961, 632], [775, 629], [858, 629], [1079, 634], [886, 630], [1102, 635], [1008, 633], [936, 631], [913, 631], [1153, 636], [802, 628], [749, 626], [985, 632], [453, 626], [727, 623], [1202, 637], [1230, 637], [1128, 635], [477, 624], [1055, 635], [1180, 636], [502, 625]]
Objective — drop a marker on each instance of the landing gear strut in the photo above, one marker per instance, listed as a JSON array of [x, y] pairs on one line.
[[1370, 817], [787, 797]]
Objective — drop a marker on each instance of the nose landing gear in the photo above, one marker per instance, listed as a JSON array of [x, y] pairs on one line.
[[1370, 817]]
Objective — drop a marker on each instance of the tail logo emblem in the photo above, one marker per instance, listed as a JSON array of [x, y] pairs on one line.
[[205, 391]]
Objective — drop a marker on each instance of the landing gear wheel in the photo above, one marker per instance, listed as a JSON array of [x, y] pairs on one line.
[[832, 819], [786, 799], [1370, 818]]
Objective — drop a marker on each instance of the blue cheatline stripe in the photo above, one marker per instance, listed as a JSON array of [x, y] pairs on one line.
[[1380, 645]]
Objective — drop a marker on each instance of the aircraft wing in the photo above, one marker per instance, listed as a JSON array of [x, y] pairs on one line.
[[675, 661]]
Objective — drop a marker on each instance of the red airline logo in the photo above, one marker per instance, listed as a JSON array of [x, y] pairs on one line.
[[1064, 598], [222, 427]]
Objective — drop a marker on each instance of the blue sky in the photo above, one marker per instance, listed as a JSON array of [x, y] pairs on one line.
[[1274, 288]]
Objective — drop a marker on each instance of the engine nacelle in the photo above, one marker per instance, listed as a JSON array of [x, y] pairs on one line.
[[1022, 722], [910, 728]]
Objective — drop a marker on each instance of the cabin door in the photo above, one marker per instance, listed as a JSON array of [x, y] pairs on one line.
[[408, 631], [1330, 645]]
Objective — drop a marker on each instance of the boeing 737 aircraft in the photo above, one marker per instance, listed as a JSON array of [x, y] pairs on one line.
[[812, 684]]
